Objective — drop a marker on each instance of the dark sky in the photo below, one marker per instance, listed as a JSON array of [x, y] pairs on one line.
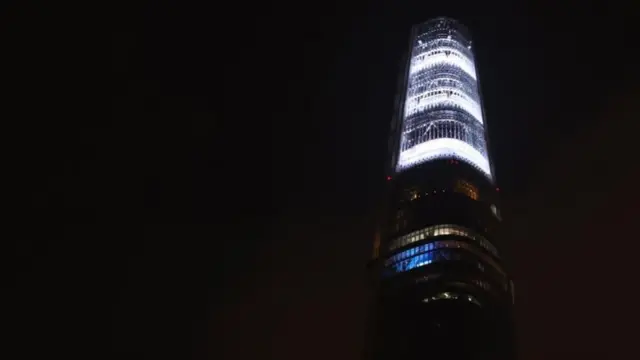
[[225, 207]]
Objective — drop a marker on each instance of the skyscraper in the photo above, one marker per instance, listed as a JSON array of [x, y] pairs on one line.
[[443, 290]]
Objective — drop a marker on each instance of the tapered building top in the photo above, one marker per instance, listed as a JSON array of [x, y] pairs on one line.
[[442, 114]]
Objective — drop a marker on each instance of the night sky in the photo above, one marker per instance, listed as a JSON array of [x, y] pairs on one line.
[[224, 208]]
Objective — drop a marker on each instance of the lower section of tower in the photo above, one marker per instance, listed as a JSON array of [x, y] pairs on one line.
[[442, 289], [446, 327]]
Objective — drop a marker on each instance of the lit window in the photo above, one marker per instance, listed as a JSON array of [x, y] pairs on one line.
[[495, 211], [466, 188], [451, 296], [435, 251]]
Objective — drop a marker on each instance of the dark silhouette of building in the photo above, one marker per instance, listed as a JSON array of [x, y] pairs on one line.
[[442, 290]]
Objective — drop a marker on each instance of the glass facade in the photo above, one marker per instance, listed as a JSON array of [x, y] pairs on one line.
[[441, 230], [413, 255]]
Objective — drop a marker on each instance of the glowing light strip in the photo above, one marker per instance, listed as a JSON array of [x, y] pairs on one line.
[[424, 88], [421, 102], [448, 43], [440, 149], [462, 62], [428, 125]]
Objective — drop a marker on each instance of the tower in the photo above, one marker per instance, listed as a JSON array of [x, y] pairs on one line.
[[443, 290]]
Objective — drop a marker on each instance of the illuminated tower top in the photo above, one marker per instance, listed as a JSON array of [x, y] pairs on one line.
[[442, 116]]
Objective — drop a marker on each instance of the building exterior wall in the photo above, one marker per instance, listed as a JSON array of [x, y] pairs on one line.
[[442, 284]]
